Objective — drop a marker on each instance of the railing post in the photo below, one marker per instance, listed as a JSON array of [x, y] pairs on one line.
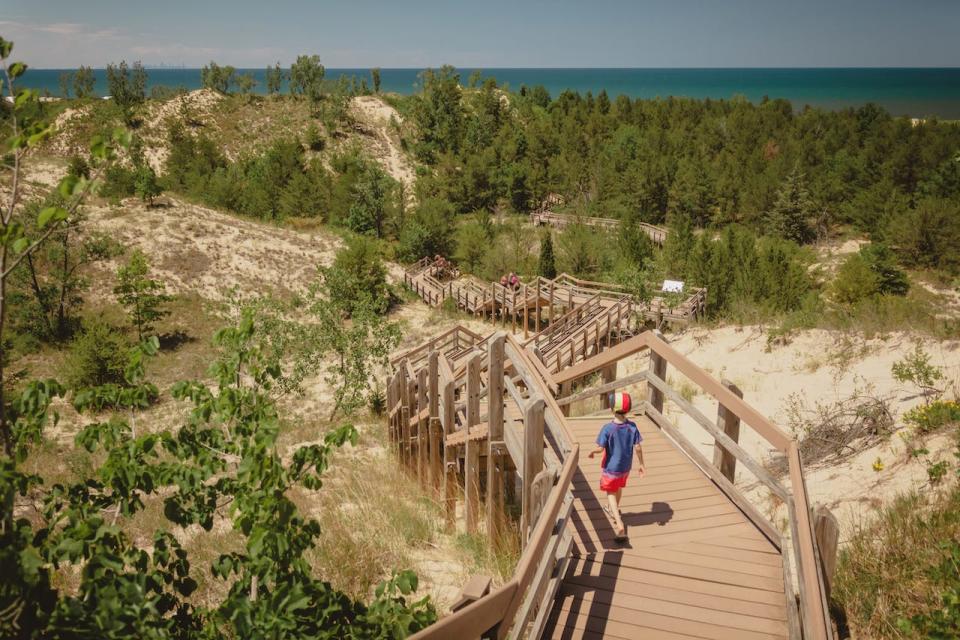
[[472, 446], [532, 461], [526, 312], [729, 423], [658, 367], [403, 433], [450, 462], [826, 529], [495, 461], [436, 434], [421, 427]]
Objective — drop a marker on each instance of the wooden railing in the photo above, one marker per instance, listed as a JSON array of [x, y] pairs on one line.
[[560, 220], [435, 419]]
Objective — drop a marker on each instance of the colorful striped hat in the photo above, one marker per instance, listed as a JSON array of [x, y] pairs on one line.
[[620, 402]]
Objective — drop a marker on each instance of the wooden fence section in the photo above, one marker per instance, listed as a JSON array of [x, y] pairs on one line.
[[560, 220], [703, 561], [534, 303]]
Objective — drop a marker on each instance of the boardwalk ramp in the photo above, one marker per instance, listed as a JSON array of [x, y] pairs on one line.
[[473, 418]]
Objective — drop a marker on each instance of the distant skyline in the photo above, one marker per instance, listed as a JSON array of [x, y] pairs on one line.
[[495, 33]]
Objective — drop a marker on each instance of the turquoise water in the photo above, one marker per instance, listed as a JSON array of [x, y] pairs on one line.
[[902, 91]]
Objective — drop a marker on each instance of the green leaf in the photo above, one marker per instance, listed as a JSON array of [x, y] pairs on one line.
[[20, 245], [6, 47], [16, 69], [68, 185], [50, 214]]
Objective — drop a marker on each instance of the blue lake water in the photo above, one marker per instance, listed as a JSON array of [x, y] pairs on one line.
[[919, 92]]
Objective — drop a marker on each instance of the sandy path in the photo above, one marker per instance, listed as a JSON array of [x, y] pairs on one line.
[[374, 115]]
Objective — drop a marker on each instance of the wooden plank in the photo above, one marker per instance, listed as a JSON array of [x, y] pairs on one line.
[[826, 531], [729, 445], [434, 429], [495, 422], [474, 619], [729, 424], [623, 350], [725, 485], [603, 388], [472, 447], [587, 598], [647, 589], [627, 624], [532, 461]]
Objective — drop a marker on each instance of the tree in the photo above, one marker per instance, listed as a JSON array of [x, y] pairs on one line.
[[678, 246], [428, 232], [66, 81], [790, 215], [306, 78], [245, 83], [143, 297], [23, 130], [546, 267], [357, 278], [146, 184], [54, 276], [97, 356], [83, 82], [375, 75], [438, 112], [217, 78], [927, 235], [127, 87], [274, 79], [371, 200], [891, 280]]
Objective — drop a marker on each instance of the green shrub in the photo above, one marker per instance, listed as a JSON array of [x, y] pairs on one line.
[[358, 277], [97, 356], [930, 417], [429, 231]]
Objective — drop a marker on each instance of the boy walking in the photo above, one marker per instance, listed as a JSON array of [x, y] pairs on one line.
[[617, 441]]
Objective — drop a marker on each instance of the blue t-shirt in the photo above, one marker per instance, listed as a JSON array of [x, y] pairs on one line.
[[619, 441]]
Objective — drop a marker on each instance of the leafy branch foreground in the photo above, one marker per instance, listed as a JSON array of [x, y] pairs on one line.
[[224, 463]]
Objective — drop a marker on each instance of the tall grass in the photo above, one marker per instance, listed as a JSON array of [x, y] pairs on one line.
[[888, 571]]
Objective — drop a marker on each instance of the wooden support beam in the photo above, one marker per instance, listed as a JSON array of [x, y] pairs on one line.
[[434, 429], [450, 462], [422, 427], [533, 424], [826, 529], [526, 313], [729, 423], [604, 389], [495, 392], [658, 369], [472, 447]]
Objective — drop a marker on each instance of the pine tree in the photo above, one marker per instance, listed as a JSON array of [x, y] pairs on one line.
[[793, 208], [547, 266], [143, 297], [677, 247], [146, 184]]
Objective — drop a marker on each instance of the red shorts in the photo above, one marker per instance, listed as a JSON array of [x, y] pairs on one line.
[[612, 482]]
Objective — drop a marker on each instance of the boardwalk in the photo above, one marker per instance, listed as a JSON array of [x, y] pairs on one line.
[[694, 565], [474, 418]]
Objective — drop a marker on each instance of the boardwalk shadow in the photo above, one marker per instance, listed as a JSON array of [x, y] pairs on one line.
[[660, 513]]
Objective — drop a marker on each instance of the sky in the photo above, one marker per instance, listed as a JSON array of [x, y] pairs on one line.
[[487, 33]]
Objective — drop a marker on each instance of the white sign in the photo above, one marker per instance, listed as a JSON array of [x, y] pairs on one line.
[[672, 286]]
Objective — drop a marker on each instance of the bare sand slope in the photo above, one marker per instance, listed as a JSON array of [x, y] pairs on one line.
[[374, 116], [819, 366], [196, 249]]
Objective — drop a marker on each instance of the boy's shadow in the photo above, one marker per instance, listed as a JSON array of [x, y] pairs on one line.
[[660, 513]]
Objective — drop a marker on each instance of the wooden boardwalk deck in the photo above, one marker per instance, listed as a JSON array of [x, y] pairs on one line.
[[694, 565]]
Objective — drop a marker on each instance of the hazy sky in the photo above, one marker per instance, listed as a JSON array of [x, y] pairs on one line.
[[487, 33]]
